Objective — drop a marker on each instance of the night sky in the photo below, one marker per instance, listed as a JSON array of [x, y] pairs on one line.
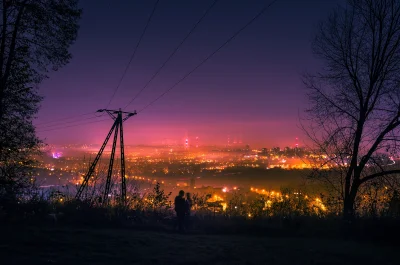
[[251, 90]]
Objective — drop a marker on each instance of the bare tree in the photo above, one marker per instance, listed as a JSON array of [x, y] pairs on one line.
[[354, 115], [34, 38]]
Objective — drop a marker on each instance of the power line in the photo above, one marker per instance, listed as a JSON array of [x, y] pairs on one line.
[[63, 123], [67, 118], [85, 123], [119, 83], [122, 77], [173, 53], [133, 54], [212, 54]]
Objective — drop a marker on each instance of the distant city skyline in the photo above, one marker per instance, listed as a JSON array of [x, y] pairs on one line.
[[191, 143]]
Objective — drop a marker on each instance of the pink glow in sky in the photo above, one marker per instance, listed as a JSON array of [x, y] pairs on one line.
[[251, 89]]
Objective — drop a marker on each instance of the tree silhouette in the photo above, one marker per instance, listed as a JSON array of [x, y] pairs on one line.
[[158, 198], [354, 116], [34, 38]]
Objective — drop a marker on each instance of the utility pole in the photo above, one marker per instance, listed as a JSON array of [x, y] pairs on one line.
[[119, 117]]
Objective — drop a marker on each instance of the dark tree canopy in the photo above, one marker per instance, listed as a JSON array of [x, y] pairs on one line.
[[355, 98], [34, 38]]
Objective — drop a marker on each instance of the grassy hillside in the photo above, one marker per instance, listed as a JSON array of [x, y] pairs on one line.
[[74, 246]]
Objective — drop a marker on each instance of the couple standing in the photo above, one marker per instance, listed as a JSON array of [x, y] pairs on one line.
[[182, 208]]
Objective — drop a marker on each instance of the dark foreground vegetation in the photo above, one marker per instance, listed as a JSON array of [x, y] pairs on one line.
[[382, 230], [74, 233]]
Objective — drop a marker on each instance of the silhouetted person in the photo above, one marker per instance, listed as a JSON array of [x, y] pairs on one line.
[[180, 209], [188, 207]]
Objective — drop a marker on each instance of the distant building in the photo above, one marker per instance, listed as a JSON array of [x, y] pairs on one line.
[[192, 182], [287, 149], [296, 143], [264, 151], [181, 183], [276, 150]]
